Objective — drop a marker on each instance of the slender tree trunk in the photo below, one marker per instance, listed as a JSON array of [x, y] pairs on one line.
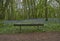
[[46, 11]]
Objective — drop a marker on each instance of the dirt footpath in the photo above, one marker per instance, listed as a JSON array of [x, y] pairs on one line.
[[36, 36]]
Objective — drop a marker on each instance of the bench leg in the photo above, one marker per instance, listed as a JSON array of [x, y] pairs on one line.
[[20, 29], [38, 28]]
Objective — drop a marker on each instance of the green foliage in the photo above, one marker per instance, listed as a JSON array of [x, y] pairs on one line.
[[10, 29], [30, 9]]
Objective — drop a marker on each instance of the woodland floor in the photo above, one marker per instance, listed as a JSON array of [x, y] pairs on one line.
[[35, 36]]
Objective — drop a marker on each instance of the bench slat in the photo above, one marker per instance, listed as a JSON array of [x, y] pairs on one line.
[[28, 24]]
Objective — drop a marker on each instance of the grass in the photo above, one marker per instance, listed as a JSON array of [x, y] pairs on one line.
[[10, 29]]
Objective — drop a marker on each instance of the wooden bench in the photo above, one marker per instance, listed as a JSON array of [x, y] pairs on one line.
[[29, 25]]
